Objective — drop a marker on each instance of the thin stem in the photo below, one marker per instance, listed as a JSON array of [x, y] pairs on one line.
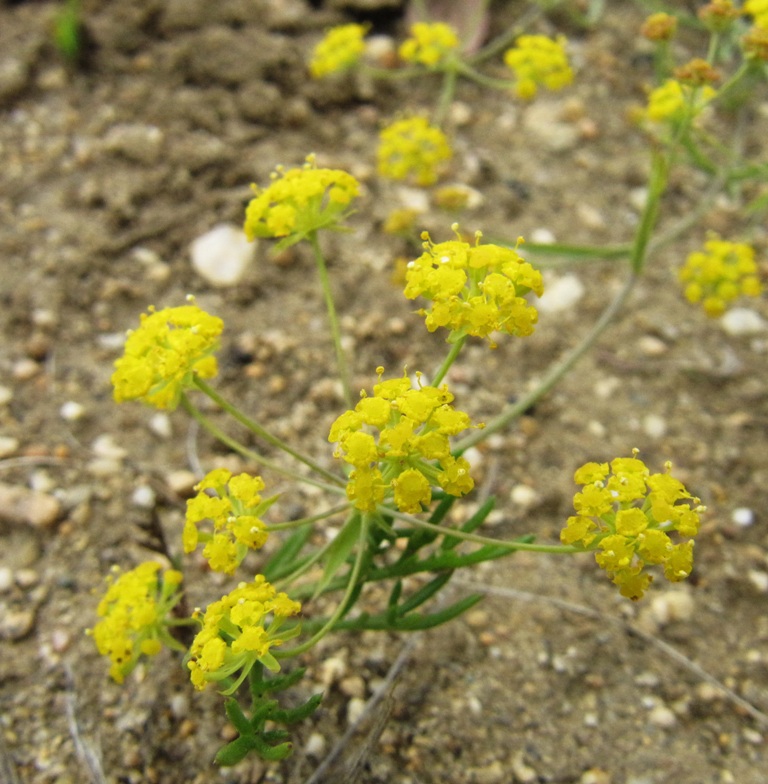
[[243, 450], [480, 78], [307, 520], [449, 360], [333, 319], [342, 606], [259, 431], [467, 536], [656, 188], [555, 373], [446, 96]]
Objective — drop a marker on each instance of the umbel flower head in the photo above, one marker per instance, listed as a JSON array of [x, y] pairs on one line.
[[627, 515], [659, 27], [299, 202], [758, 9], [719, 274], [676, 102], [238, 631], [538, 61], [397, 442], [133, 614], [234, 508], [163, 355], [340, 50], [412, 148], [430, 44], [474, 290]]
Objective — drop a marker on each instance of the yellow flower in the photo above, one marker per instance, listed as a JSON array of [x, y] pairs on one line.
[[676, 102], [134, 613], [719, 274], [474, 290], [659, 27], [718, 15], [238, 631], [299, 202], [411, 147], [234, 513], [341, 49], [164, 354], [539, 61], [626, 515], [410, 454], [430, 44], [758, 9]]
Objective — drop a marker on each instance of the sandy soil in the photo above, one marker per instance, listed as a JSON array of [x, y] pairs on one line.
[[110, 170]]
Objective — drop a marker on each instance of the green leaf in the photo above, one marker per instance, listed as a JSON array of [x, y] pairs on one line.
[[237, 717], [294, 715], [233, 752], [424, 593], [284, 560], [338, 552]]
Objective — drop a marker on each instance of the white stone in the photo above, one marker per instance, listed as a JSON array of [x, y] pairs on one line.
[[542, 236], [315, 746], [416, 199], [6, 395], [8, 445], [743, 321], [144, 497], [222, 255], [743, 516], [654, 425], [160, 425], [759, 580], [105, 447], [560, 294], [71, 411], [523, 496], [672, 606], [662, 716]]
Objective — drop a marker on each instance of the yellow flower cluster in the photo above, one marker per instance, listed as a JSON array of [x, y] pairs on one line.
[[676, 102], [659, 27], [758, 10], [410, 453], [234, 507], [163, 354], [133, 612], [719, 274], [474, 290], [411, 147], [340, 49], [239, 631], [718, 15], [539, 61], [299, 202], [627, 514], [430, 44]]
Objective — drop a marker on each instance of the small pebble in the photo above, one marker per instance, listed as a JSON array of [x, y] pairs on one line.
[[181, 482], [560, 294], [542, 236], [16, 624], [104, 446], [759, 580], [160, 425], [222, 255], [743, 321], [595, 776], [61, 639], [27, 578], [144, 497], [662, 716], [315, 746], [743, 516], [6, 395], [523, 773], [19, 504], [8, 446], [6, 579], [490, 774], [352, 686], [523, 496], [654, 425], [355, 709], [71, 411], [672, 606], [25, 369], [651, 346]]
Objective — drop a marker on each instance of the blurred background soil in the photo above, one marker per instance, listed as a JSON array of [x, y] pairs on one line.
[[111, 168]]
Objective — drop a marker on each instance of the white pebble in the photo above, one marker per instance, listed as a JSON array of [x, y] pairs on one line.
[[560, 294], [542, 236], [144, 497], [743, 516], [315, 746], [743, 321], [652, 346], [759, 579], [71, 411], [6, 579], [355, 709], [105, 447], [415, 199], [222, 255], [654, 425], [160, 425], [672, 606], [523, 496], [8, 445], [111, 341], [6, 395], [662, 716]]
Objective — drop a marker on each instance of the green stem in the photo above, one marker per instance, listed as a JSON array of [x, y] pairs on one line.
[[656, 187], [342, 606], [481, 78], [258, 430], [325, 283], [448, 361], [291, 524], [467, 536], [446, 95], [555, 373], [243, 450]]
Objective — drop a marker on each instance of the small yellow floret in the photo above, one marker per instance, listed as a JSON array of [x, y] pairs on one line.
[[341, 49], [539, 61], [412, 148], [758, 9], [430, 44]]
